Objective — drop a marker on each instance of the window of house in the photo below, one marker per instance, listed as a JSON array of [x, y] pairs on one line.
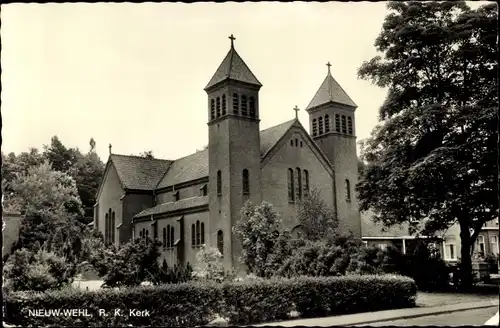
[[327, 123], [198, 234], [223, 104], [480, 245], [113, 228], [236, 103], [172, 236], [147, 233], [349, 125], [291, 142], [305, 182], [204, 190], [217, 106], [344, 125], [244, 110], [220, 241], [219, 183], [347, 190], [202, 233], [450, 251], [251, 105], [494, 244], [176, 195], [169, 240], [106, 228], [315, 127], [212, 109], [140, 233], [296, 142], [320, 124], [301, 144], [298, 190], [337, 122], [246, 182], [291, 193]]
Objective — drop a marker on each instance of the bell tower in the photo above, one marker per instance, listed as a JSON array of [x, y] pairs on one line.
[[332, 126], [233, 149]]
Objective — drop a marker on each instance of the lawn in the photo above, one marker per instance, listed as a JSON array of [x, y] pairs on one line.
[[425, 299]]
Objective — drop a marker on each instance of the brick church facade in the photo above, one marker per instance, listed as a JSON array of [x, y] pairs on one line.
[[196, 200]]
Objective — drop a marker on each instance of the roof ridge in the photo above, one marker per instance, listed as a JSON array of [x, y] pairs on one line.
[[274, 126], [183, 157], [145, 158]]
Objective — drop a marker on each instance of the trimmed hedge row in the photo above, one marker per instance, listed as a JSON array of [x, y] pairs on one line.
[[196, 304]]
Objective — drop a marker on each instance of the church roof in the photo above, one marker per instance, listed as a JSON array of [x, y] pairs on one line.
[[233, 68], [139, 173], [173, 206], [330, 91], [195, 166]]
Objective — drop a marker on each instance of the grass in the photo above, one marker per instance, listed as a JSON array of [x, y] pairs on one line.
[[425, 299]]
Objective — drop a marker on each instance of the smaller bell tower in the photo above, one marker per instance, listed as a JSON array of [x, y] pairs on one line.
[[332, 126]]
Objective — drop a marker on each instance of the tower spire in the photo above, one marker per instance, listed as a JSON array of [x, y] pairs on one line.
[[232, 38]]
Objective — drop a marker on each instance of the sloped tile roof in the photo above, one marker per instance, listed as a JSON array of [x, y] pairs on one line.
[[174, 206], [269, 137], [187, 168], [234, 68], [330, 90], [138, 172], [371, 229]]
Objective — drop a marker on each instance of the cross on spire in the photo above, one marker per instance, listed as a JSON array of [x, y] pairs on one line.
[[329, 65], [296, 109], [232, 38]]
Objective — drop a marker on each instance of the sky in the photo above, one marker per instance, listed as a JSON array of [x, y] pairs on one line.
[[133, 74]]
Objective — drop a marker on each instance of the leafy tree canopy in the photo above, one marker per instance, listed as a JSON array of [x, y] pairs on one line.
[[433, 156]]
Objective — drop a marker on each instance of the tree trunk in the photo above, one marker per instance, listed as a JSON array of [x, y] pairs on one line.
[[466, 260]]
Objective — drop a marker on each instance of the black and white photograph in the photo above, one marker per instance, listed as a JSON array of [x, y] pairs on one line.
[[258, 163]]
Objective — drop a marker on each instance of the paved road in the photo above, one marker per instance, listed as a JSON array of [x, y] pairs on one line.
[[470, 317]]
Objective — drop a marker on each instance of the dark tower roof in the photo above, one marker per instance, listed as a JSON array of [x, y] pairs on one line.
[[233, 68], [330, 91]]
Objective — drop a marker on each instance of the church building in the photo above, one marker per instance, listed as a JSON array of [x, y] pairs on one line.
[[196, 200]]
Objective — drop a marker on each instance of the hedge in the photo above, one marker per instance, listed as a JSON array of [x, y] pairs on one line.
[[196, 304]]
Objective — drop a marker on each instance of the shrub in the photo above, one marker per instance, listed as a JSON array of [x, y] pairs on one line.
[[195, 303], [209, 265], [173, 275], [26, 270]]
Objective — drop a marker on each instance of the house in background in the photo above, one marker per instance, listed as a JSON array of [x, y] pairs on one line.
[[11, 223], [448, 243]]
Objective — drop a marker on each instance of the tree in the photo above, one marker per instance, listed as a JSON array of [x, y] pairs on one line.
[[147, 154], [317, 219], [61, 158], [209, 265], [257, 231], [432, 158], [49, 200]]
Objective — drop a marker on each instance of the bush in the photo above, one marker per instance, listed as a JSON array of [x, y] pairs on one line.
[[194, 303], [209, 265], [173, 275], [26, 270]]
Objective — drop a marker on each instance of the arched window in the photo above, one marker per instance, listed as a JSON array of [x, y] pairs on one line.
[[301, 144], [327, 123], [320, 123], [347, 190], [291, 142], [349, 125], [144, 233], [202, 233], [140, 233], [212, 109], [147, 233], [113, 227], [193, 235], [198, 235], [220, 241], [337, 122], [236, 103], [109, 227], [315, 128], [291, 193], [244, 104], [246, 182], [223, 104], [169, 240], [164, 237], [219, 183], [296, 142], [217, 105], [251, 105], [172, 237], [298, 190], [106, 228], [344, 125], [305, 182]]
